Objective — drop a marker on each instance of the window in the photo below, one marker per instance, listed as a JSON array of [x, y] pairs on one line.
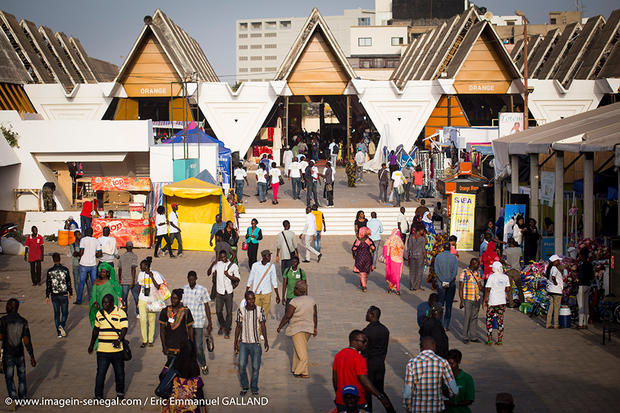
[[397, 41], [243, 70], [510, 23], [553, 21], [243, 26], [243, 46], [270, 34], [256, 69], [364, 41], [255, 35], [243, 35], [271, 57], [254, 58], [363, 21], [242, 58], [271, 25], [271, 46], [256, 46], [257, 26], [285, 24], [271, 69]]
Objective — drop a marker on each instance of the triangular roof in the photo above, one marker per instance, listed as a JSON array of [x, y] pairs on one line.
[[314, 22], [183, 51], [191, 188]]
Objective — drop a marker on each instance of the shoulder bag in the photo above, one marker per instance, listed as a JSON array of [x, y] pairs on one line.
[[126, 349], [290, 253], [263, 277], [235, 283]]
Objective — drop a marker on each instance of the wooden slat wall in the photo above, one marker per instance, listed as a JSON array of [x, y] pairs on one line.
[[317, 71], [127, 109], [13, 97], [175, 111], [439, 118], [483, 72]]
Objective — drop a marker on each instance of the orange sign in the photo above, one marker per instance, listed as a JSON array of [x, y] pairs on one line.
[[137, 231], [465, 168], [120, 183]]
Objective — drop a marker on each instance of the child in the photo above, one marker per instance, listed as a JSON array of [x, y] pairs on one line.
[[453, 249]]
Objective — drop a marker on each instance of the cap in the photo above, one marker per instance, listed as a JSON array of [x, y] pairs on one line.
[[174, 204], [129, 244], [70, 218], [350, 390], [555, 257]]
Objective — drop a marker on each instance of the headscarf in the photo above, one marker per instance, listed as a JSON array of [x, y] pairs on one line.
[[395, 243], [427, 217], [364, 231], [488, 257], [106, 266], [497, 268]]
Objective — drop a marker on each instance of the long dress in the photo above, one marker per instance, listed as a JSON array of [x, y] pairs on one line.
[[393, 252], [350, 170], [99, 291], [363, 250], [440, 240]]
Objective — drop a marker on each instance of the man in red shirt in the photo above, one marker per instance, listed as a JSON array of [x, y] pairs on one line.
[[349, 368], [34, 255], [86, 216]]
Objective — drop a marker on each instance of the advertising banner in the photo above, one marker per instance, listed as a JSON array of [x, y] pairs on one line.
[[547, 187], [121, 183], [510, 123], [136, 230], [511, 211], [462, 215]]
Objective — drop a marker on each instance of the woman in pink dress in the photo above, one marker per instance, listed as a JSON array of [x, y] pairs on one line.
[[362, 250], [393, 252]]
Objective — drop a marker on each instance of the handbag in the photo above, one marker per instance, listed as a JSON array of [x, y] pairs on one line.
[[164, 292], [125, 343], [244, 246], [166, 380], [281, 181], [210, 343], [290, 253]]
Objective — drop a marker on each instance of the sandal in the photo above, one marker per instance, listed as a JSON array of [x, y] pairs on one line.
[[363, 289], [397, 292], [498, 343], [304, 376]]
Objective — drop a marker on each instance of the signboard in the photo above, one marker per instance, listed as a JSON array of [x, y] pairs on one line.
[[547, 187], [510, 123], [462, 215], [121, 183], [136, 230], [548, 248], [511, 211]]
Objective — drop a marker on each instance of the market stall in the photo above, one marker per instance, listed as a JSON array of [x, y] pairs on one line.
[[125, 209], [199, 202]]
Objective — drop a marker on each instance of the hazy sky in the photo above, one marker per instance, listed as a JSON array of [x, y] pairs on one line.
[[107, 29]]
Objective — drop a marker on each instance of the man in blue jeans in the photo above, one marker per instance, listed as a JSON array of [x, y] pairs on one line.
[[14, 334], [446, 268], [90, 250], [248, 333], [58, 286], [127, 267]]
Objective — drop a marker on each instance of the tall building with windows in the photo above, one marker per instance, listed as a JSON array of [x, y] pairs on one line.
[[262, 44]]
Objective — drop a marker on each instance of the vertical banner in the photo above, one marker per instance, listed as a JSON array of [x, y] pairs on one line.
[[511, 211], [510, 122], [224, 161], [547, 187], [462, 215]]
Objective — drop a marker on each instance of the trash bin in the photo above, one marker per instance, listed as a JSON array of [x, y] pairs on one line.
[[565, 316]]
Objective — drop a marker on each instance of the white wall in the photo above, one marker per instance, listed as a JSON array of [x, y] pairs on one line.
[[383, 11], [550, 101], [86, 101], [381, 40], [161, 157]]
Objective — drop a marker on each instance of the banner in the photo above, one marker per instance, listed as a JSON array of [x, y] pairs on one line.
[[462, 215], [510, 123], [511, 211], [136, 230], [121, 183], [547, 187]]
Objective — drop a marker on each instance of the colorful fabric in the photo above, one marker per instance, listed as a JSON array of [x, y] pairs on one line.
[[117, 319], [440, 239], [488, 258], [497, 312], [425, 375], [393, 252], [351, 170], [184, 389], [99, 291], [470, 281], [362, 251]]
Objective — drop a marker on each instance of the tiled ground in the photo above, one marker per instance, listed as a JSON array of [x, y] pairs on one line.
[[546, 370]]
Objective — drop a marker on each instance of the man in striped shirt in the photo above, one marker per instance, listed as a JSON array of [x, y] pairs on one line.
[[424, 376], [248, 333], [470, 286]]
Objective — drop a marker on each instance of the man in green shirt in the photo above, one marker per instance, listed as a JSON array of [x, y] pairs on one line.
[[290, 276], [465, 397]]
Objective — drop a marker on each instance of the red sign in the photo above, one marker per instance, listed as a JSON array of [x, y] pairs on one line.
[[121, 183], [137, 231]]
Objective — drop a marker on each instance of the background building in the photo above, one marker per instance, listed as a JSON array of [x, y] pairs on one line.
[[425, 9]]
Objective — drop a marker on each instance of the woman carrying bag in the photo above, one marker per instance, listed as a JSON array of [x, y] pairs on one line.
[[253, 235], [150, 283]]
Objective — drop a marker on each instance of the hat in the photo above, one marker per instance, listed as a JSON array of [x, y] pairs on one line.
[[174, 204], [350, 390], [70, 219], [129, 244], [555, 257]]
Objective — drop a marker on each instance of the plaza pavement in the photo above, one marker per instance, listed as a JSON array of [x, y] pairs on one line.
[[545, 370]]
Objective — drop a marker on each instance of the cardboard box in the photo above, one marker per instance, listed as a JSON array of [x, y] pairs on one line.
[[116, 206], [116, 197]]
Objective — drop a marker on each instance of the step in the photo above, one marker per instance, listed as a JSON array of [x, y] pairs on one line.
[[339, 221]]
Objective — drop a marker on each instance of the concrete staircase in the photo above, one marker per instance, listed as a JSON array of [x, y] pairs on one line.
[[339, 221]]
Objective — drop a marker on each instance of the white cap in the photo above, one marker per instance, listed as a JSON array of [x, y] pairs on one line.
[[555, 257]]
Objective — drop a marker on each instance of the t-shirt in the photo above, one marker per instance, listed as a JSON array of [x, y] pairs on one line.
[[360, 158], [173, 218], [497, 283], [293, 170], [551, 287], [223, 283], [275, 175], [107, 245], [126, 262], [222, 245], [330, 175], [161, 229], [87, 209], [287, 242], [144, 281], [348, 364], [90, 246], [318, 215], [397, 177], [465, 383], [34, 246], [513, 257], [261, 175], [240, 174], [250, 323], [404, 224], [292, 276], [175, 323], [303, 165], [314, 171], [117, 319], [418, 178]]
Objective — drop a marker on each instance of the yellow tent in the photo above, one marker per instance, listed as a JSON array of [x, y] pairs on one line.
[[199, 202]]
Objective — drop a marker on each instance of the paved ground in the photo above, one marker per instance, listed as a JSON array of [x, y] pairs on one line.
[[546, 370]]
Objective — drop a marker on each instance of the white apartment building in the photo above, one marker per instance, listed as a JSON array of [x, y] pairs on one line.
[[375, 51], [262, 44]]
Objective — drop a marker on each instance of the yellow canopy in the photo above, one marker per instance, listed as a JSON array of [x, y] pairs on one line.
[[191, 188]]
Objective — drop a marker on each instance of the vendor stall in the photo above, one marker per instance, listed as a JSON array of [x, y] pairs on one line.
[[126, 210], [199, 202]]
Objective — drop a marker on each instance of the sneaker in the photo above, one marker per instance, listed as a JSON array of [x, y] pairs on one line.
[[465, 341], [254, 393], [180, 254], [319, 258], [59, 336], [138, 316], [474, 340], [62, 332], [243, 392], [306, 261], [204, 370]]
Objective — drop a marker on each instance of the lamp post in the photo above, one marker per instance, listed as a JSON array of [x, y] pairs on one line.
[[525, 74]]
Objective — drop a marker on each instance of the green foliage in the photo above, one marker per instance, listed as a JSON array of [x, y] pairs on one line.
[[10, 135]]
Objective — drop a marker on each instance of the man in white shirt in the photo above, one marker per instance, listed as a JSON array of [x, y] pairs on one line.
[[403, 224], [225, 273], [333, 152], [263, 280], [241, 178], [309, 236], [287, 158], [397, 183], [376, 229], [174, 230], [360, 159], [294, 175], [261, 179], [89, 251], [286, 246], [196, 298], [303, 164], [107, 245]]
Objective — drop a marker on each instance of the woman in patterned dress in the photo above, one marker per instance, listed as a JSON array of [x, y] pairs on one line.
[[363, 249]]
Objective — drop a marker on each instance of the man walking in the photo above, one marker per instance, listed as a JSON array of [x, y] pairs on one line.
[[384, 183], [86, 215], [286, 247], [89, 252], [376, 229], [470, 286], [465, 383], [321, 226], [34, 254], [196, 298], [328, 175], [219, 225], [403, 224], [248, 333], [424, 376], [74, 250], [107, 245], [241, 178], [263, 281], [513, 262], [15, 334], [261, 182], [174, 231], [128, 264], [290, 276], [110, 330], [360, 159], [225, 273], [311, 177], [294, 175], [333, 152], [58, 286], [309, 236], [424, 308], [416, 251], [378, 337], [446, 268]]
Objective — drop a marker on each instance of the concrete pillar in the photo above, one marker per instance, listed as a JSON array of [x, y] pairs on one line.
[[618, 206], [558, 206], [534, 185], [588, 195], [514, 174], [497, 196]]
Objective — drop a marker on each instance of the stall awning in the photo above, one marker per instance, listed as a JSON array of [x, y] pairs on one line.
[[121, 183], [191, 188]]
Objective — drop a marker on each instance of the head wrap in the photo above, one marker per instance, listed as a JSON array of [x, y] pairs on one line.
[[497, 267], [106, 266], [364, 231], [178, 292]]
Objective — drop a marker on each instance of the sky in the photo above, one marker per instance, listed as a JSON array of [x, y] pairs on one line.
[[108, 29]]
